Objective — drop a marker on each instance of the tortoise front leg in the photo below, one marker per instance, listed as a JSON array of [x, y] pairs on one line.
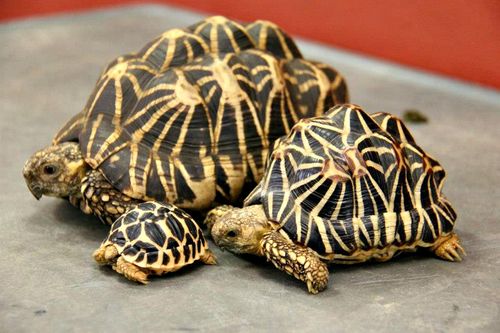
[[296, 260], [99, 197]]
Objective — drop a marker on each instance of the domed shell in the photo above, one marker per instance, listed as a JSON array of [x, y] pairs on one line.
[[177, 47], [189, 119], [348, 181], [157, 236]]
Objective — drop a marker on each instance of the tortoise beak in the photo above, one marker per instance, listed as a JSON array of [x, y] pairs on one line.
[[36, 190], [31, 182], [217, 241]]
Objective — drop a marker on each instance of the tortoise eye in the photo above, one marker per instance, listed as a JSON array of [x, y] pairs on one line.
[[49, 169], [231, 233]]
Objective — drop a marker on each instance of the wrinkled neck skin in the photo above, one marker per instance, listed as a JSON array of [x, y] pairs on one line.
[[56, 171], [241, 230]]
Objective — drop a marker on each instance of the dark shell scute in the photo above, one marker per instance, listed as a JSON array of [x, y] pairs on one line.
[[130, 251], [133, 231], [118, 238], [152, 257], [147, 247], [172, 243], [155, 233], [130, 217], [146, 206], [148, 217], [117, 224]]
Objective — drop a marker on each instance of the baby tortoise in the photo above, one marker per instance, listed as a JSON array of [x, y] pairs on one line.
[[153, 239], [187, 120], [345, 187]]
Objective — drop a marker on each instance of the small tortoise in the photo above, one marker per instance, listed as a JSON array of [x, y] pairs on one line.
[[345, 187], [187, 120], [153, 239]]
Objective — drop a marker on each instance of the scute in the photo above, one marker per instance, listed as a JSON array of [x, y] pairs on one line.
[[162, 236], [270, 37], [349, 181]]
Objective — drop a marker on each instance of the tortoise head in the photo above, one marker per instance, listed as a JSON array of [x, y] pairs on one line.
[[240, 230], [55, 171]]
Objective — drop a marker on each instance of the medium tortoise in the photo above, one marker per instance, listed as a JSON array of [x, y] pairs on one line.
[[153, 239], [344, 187], [187, 120]]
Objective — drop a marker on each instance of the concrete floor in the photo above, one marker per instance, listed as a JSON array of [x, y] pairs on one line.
[[50, 283]]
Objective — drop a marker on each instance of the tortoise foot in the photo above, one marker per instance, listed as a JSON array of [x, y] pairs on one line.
[[296, 260], [317, 278], [131, 271], [208, 258], [450, 249]]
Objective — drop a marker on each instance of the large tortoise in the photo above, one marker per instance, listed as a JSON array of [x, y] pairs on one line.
[[187, 120], [344, 187]]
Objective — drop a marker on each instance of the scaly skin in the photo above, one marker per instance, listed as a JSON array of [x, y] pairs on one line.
[[298, 261], [108, 255], [215, 214], [100, 198], [131, 271], [208, 258]]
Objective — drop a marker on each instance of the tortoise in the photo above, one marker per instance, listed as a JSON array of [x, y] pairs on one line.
[[187, 120], [153, 239], [345, 187]]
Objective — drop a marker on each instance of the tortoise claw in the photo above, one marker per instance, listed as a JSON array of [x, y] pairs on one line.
[[450, 249], [310, 287]]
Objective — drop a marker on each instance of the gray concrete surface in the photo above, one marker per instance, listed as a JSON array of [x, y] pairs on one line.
[[49, 283]]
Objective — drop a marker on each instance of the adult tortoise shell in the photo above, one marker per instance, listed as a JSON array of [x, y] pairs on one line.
[[153, 239], [188, 120], [343, 187]]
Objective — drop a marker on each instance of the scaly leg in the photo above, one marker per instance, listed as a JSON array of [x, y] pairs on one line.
[[448, 247], [99, 197], [208, 258], [108, 255], [296, 260], [131, 271]]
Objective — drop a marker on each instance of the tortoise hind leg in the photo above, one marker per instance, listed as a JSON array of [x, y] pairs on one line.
[[131, 271], [448, 247], [208, 258], [108, 255], [296, 260]]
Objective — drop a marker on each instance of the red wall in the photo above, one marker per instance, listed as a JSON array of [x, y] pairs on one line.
[[453, 37]]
